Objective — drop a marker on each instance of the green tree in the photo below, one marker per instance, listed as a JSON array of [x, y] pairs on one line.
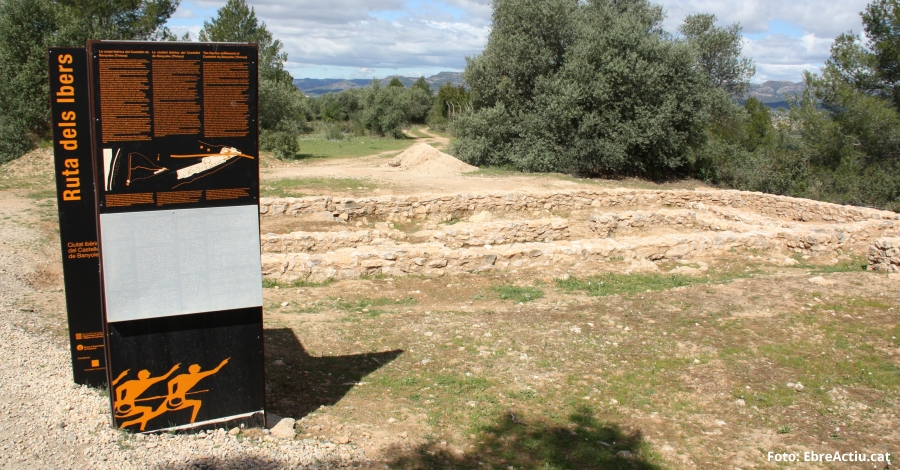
[[422, 85], [396, 83], [383, 110], [115, 19], [849, 117], [283, 109], [28, 27], [759, 126], [447, 100], [592, 87], [872, 67], [237, 22], [718, 52]]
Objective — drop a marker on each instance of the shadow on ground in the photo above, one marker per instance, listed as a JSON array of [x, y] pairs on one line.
[[304, 383], [521, 442]]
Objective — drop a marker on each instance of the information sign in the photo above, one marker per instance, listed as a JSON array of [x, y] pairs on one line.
[[175, 146], [71, 120]]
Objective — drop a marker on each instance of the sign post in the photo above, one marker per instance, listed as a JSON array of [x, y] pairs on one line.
[[71, 120], [176, 160]]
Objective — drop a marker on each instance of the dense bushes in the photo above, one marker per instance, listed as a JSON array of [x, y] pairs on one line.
[[28, 27], [591, 87], [839, 142]]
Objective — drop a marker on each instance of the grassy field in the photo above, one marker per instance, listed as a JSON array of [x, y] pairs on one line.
[[316, 146], [299, 187], [644, 371]]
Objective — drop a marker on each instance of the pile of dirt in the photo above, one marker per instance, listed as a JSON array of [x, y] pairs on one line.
[[36, 162], [424, 158]]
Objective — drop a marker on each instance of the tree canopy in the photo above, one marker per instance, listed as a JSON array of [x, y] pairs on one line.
[[28, 27], [237, 22], [593, 87], [718, 52]]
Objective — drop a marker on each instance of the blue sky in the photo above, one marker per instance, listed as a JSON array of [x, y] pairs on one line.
[[377, 38]]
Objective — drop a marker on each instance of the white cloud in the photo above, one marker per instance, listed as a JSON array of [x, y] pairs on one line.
[[383, 35], [183, 13]]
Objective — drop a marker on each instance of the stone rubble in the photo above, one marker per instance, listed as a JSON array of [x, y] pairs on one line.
[[444, 207], [704, 222], [884, 255]]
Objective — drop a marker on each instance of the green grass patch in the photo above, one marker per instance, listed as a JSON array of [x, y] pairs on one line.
[[504, 170], [518, 294], [613, 283], [42, 194], [272, 283], [318, 146], [417, 131], [855, 263], [370, 307], [300, 187]]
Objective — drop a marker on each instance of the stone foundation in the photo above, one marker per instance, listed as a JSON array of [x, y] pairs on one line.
[[445, 207], [454, 236], [670, 225], [884, 255]]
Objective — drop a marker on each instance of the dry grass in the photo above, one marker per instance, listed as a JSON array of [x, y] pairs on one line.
[[673, 371]]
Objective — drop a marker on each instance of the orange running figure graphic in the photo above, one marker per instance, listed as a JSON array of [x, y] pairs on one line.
[[180, 386], [129, 392]]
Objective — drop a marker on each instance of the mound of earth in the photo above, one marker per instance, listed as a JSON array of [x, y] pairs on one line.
[[35, 162], [427, 159]]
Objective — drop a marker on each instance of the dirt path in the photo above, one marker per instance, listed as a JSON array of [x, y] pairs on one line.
[[386, 180], [744, 354]]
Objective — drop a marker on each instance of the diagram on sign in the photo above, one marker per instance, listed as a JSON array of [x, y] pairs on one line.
[[128, 402], [125, 171]]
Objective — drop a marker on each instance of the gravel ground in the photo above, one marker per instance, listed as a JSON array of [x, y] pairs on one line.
[[48, 422]]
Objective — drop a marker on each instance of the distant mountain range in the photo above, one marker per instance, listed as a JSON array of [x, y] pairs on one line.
[[320, 86], [772, 93], [776, 93]]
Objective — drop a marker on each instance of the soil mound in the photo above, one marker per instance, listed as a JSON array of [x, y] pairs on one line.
[[36, 162], [424, 158]]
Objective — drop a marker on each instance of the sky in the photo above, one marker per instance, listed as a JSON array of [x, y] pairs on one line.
[[377, 38]]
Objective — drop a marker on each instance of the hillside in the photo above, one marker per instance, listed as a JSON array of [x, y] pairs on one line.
[[776, 93], [321, 86]]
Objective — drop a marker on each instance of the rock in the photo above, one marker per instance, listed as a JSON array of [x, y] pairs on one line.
[[319, 217], [821, 281], [392, 420], [740, 402], [624, 454], [686, 271], [284, 429], [234, 431], [613, 401], [278, 362], [720, 423], [790, 262], [483, 216], [342, 439], [894, 276], [285, 304], [404, 435], [643, 265]]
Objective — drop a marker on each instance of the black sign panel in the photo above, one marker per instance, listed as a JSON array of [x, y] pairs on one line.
[[176, 125], [71, 120], [192, 369], [176, 162]]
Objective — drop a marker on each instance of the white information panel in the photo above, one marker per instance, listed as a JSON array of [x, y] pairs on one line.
[[178, 262]]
